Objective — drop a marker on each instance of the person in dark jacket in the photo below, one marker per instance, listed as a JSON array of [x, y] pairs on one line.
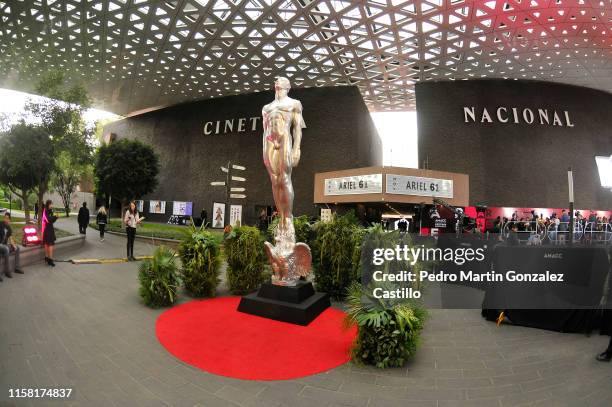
[[83, 218], [101, 220], [513, 239], [8, 246], [402, 225], [263, 221], [48, 231]]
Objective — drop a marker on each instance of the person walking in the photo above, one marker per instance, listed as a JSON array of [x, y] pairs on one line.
[[83, 218], [8, 246], [36, 211], [48, 231], [131, 219], [101, 219], [606, 356], [606, 329]]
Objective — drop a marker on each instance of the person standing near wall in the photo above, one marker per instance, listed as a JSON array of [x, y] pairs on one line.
[[8, 245], [131, 220], [101, 219], [48, 231], [83, 218], [263, 221]]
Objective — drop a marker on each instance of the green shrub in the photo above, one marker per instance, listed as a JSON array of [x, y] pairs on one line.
[[336, 254], [200, 255], [159, 280], [387, 334], [244, 250], [14, 204]]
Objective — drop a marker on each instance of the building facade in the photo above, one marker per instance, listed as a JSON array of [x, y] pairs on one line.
[[194, 140], [516, 139]]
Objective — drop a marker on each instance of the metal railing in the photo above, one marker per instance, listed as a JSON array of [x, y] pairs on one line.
[[598, 232], [535, 232]]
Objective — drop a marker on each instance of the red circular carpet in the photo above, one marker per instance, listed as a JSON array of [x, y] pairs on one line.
[[213, 336]]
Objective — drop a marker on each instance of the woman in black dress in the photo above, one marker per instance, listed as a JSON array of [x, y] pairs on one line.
[[48, 231]]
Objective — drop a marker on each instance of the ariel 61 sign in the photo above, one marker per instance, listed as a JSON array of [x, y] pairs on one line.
[[358, 184], [419, 186]]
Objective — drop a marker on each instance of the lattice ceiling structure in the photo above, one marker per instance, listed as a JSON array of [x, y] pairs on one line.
[[135, 54]]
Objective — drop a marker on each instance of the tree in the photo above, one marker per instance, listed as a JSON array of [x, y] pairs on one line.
[[61, 116], [67, 176], [125, 170], [26, 160]]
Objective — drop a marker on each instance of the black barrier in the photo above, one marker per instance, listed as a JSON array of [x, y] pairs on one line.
[[474, 271], [549, 277]]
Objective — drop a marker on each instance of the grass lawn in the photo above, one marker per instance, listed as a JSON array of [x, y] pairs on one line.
[[159, 230]]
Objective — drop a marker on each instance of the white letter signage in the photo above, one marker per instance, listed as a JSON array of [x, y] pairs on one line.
[[357, 184], [419, 186]]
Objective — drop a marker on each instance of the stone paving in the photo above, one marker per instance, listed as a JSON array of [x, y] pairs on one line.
[[82, 326]]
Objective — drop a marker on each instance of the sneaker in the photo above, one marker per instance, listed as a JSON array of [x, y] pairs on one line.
[[9, 275], [102, 239], [19, 271], [51, 263], [604, 357]]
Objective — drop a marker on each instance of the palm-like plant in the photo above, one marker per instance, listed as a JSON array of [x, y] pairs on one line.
[[159, 280], [388, 331], [200, 255]]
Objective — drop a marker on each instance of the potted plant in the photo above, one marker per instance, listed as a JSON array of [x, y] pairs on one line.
[[244, 249], [200, 255], [336, 254], [388, 332], [159, 280]]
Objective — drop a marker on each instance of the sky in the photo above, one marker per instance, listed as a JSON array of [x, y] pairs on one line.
[[12, 103], [398, 130]]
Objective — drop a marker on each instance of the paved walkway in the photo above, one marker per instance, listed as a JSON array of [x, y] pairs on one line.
[[82, 326]]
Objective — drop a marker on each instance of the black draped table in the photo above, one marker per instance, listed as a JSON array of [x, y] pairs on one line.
[[574, 305]]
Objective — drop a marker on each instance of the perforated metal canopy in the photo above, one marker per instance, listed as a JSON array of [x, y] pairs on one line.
[[136, 54]]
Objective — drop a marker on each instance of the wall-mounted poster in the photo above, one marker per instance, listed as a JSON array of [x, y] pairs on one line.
[[218, 217], [182, 208], [140, 205], [157, 206], [235, 215]]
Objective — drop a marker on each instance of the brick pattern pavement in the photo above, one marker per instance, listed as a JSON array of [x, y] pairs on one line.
[[84, 327]]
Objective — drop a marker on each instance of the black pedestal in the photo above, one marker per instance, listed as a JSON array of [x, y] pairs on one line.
[[297, 305]]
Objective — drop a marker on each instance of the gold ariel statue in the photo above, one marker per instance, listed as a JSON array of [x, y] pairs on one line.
[[283, 124]]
